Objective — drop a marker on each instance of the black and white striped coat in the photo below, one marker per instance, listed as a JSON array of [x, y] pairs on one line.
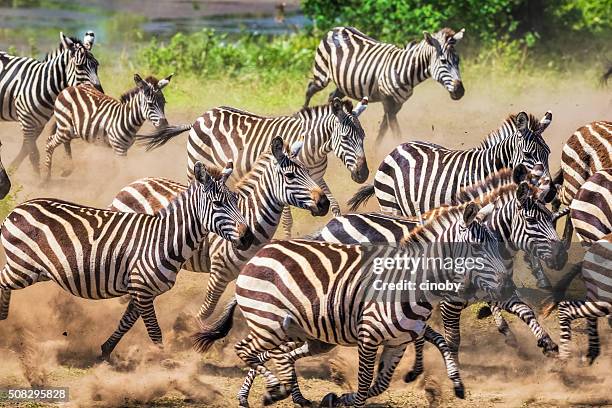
[[324, 294], [28, 88], [417, 176], [276, 180], [86, 113], [98, 254], [591, 208], [361, 66], [224, 133]]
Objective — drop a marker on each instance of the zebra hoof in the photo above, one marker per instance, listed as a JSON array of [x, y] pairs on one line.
[[303, 403], [276, 394], [243, 402], [330, 400], [548, 346], [484, 312], [459, 391], [411, 376], [591, 357], [103, 358]]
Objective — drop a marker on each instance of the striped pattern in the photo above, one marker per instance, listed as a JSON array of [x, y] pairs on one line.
[[225, 133], [362, 66], [276, 180], [417, 176], [5, 181], [321, 292], [99, 254], [84, 112], [28, 88], [591, 208], [597, 274]]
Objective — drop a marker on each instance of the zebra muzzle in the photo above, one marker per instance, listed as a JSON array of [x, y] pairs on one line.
[[361, 172], [458, 90], [321, 207], [246, 237]]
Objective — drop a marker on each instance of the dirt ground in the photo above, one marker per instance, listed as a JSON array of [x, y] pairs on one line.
[[53, 338]]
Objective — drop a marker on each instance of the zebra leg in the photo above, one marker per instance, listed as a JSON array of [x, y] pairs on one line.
[[287, 221], [520, 309], [315, 86], [68, 149], [568, 231], [390, 119], [451, 317], [389, 358], [417, 367], [538, 272], [333, 203], [28, 148], [502, 325], [218, 279], [130, 316], [54, 141], [367, 359], [594, 347], [147, 312], [5, 301], [452, 369], [565, 316]]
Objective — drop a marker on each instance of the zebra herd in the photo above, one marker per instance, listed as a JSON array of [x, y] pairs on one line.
[[302, 297]]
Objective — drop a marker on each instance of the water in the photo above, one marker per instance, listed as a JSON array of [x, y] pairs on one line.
[[37, 23]]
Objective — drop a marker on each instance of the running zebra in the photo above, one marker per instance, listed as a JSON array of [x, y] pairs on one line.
[[362, 66], [325, 294], [517, 196], [84, 112], [588, 150], [28, 88], [597, 273], [100, 254], [225, 133], [276, 180]]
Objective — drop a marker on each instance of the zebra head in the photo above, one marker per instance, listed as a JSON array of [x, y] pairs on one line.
[[153, 101], [480, 244], [444, 61], [531, 148], [532, 228], [217, 206], [292, 183], [82, 65], [5, 182], [347, 138]]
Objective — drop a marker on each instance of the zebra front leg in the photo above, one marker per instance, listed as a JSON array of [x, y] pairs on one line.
[[218, 280], [367, 359], [5, 302], [594, 347], [417, 367], [128, 319], [389, 119], [333, 203], [452, 369], [29, 148], [287, 220], [52, 143], [389, 359], [502, 325], [68, 150], [10, 280], [537, 271], [451, 318]]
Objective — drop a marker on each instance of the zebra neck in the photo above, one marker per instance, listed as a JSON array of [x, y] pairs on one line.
[[412, 65], [131, 112], [179, 228], [317, 127], [488, 161], [55, 73]]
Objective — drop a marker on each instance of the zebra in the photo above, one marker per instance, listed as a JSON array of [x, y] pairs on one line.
[[362, 66], [517, 197], [418, 176], [591, 208], [586, 151], [99, 254], [276, 179], [83, 111], [226, 133], [325, 294], [28, 88], [5, 181]]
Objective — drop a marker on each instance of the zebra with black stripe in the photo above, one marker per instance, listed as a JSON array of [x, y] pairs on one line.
[[99, 254], [517, 196], [362, 66], [587, 150], [591, 209], [325, 294], [226, 133], [28, 88], [5, 181], [276, 180], [84, 112]]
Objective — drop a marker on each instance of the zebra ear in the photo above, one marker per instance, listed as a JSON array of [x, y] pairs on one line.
[[201, 175], [545, 121], [227, 171], [139, 82], [522, 121], [361, 106], [519, 173], [432, 41], [469, 214], [548, 191], [296, 147], [66, 41], [163, 82], [336, 106], [459, 35], [89, 40], [277, 146], [523, 192]]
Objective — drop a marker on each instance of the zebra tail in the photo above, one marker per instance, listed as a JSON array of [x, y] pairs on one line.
[[161, 136], [218, 330], [361, 197], [558, 292]]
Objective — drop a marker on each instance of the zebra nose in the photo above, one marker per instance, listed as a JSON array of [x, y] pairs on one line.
[[163, 122], [321, 207], [246, 237], [458, 90], [361, 172]]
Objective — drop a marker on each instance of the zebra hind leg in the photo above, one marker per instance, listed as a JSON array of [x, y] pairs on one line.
[[417, 367], [594, 347], [130, 316], [5, 300], [389, 359], [29, 148], [452, 370]]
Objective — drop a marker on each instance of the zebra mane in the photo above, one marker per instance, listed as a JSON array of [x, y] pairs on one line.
[[444, 212], [126, 96], [497, 136], [493, 181], [260, 162], [309, 111], [60, 48]]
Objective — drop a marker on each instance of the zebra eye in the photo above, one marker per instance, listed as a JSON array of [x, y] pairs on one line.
[[290, 175], [443, 60], [217, 203]]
